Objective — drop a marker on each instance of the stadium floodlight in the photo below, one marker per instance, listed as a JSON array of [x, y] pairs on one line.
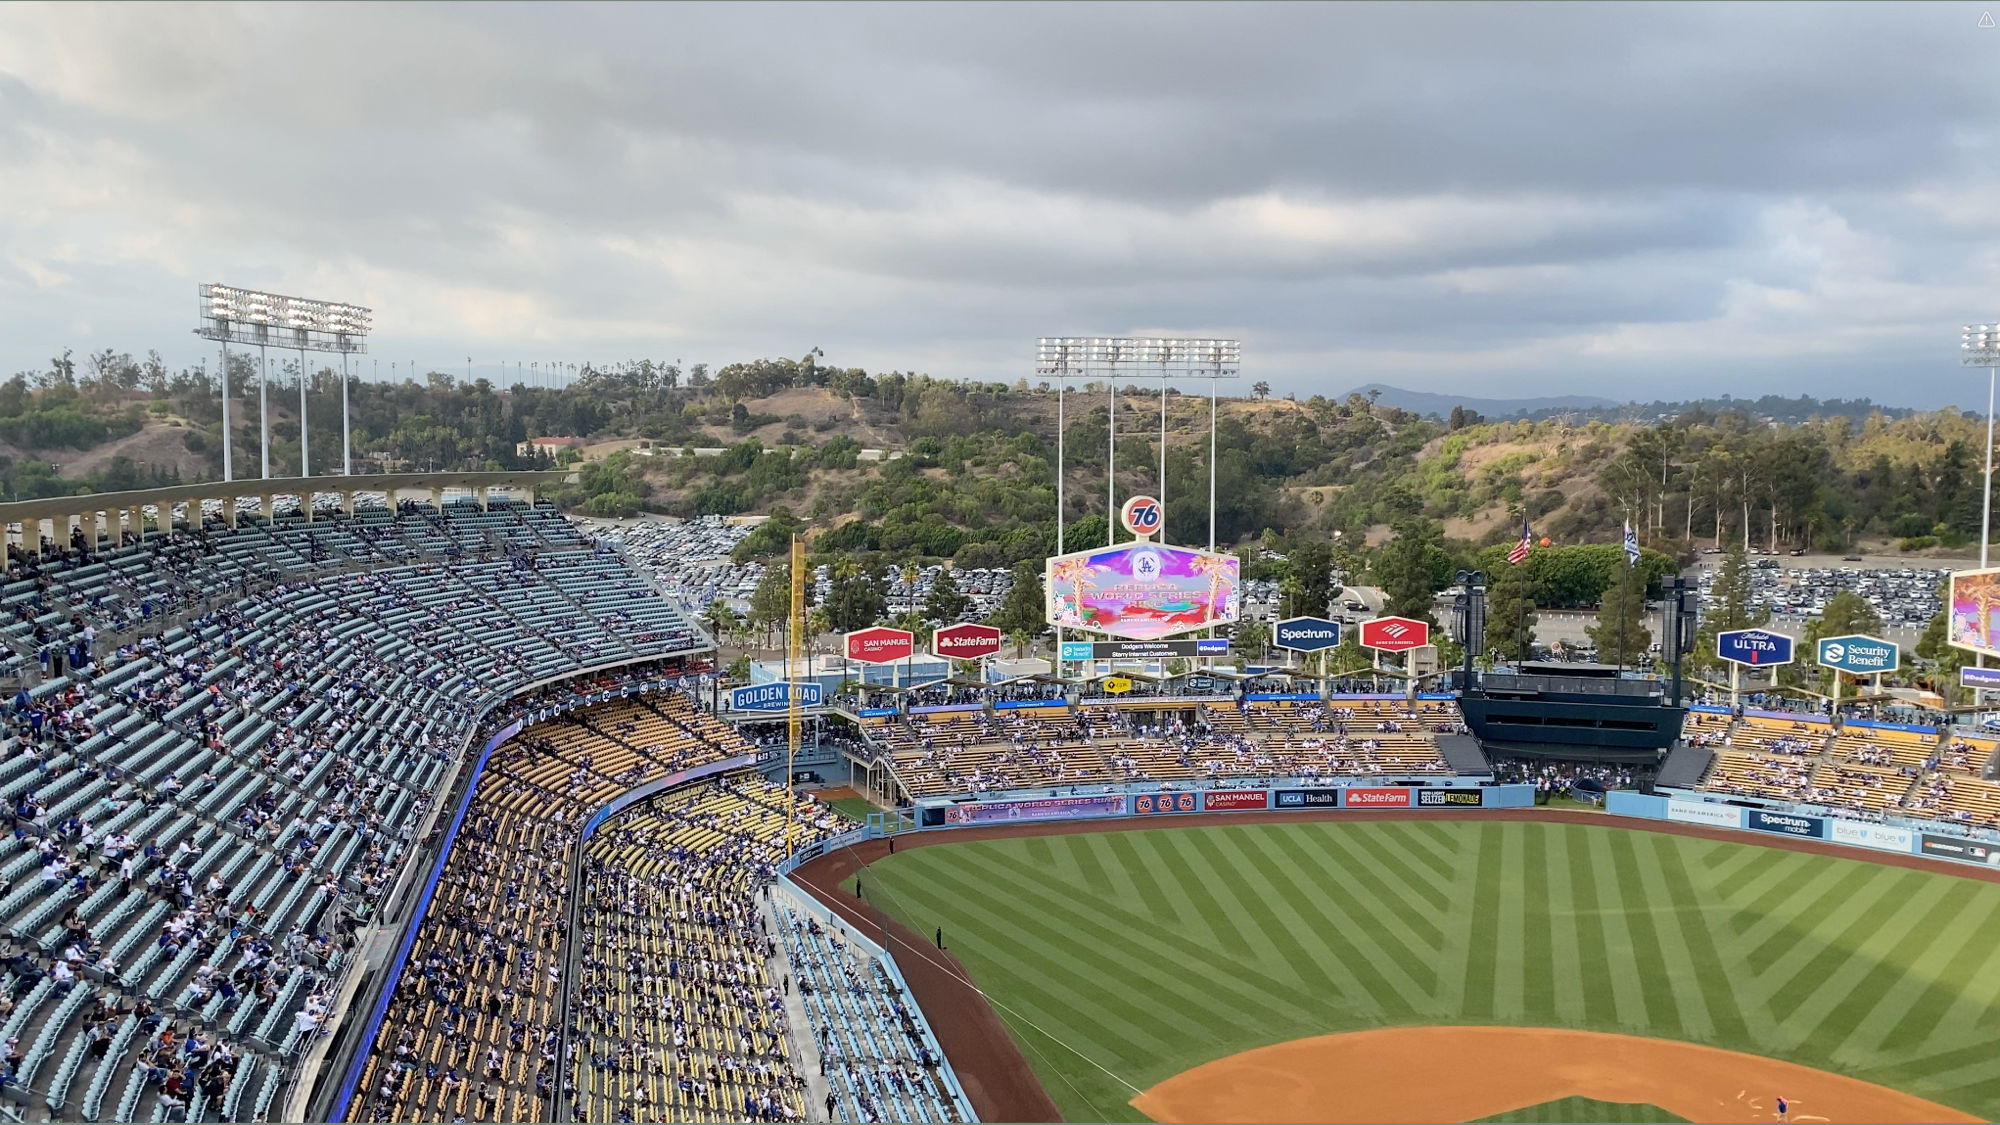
[[1161, 357], [231, 315], [1980, 347]]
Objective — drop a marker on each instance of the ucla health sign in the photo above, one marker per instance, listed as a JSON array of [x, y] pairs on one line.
[[1306, 634], [774, 697], [1859, 656]]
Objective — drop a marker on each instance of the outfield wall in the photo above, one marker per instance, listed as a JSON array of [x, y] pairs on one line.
[[1111, 806], [1774, 821]]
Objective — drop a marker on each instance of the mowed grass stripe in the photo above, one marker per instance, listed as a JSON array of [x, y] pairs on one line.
[[1346, 859], [1586, 926], [1663, 1008], [1481, 967], [1099, 984], [1619, 947], [1792, 919], [1089, 852], [1851, 994], [1538, 973], [1697, 926], [1352, 947], [1244, 893], [1437, 852], [1570, 988], [1752, 894], [1652, 854], [1340, 873], [1403, 870], [1510, 952], [1142, 874], [1806, 970], [1185, 854], [1963, 939], [1302, 940]]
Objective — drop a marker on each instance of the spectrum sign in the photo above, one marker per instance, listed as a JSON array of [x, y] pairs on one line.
[[1306, 634]]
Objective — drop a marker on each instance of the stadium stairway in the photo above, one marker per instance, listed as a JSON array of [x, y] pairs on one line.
[[1463, 754], [1684, 766]]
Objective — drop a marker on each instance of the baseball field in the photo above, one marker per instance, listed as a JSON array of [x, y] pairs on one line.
[[1232, 971]]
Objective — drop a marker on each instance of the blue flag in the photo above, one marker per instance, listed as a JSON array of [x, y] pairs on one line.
[[1631, 545]]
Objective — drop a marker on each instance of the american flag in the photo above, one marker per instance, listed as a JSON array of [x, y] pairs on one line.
[[1520, 550]]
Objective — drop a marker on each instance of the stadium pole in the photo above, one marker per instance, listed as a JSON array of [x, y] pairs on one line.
[[228, 462], [264, 404], [1111, 462], [346, 429], [1062, 470], [1163, 455], [798, 566], [305, 455], [1211, 468]]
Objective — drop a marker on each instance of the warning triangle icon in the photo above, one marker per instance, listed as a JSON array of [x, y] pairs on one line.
[[1986, 19]]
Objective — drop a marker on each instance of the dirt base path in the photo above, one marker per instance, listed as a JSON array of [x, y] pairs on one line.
[[998, 1079], [1466, 1073]]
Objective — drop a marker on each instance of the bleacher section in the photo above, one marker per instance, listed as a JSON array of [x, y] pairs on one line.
[[484, 974], [682, 1018], [202, 807], [881, 1061], [976, 751], [1869, 769]]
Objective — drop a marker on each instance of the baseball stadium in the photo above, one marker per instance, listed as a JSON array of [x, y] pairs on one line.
[[421, 802]]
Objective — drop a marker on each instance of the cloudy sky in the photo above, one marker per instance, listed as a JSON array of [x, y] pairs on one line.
[[1488, 199]]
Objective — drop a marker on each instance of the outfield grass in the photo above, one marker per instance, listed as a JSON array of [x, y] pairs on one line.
[[855, 808], [1149, 952], [1586, 1109]]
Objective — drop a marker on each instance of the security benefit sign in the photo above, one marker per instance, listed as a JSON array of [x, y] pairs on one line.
[[1858, 656]]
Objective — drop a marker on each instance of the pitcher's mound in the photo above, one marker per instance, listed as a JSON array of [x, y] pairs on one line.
[[1467, 1073]]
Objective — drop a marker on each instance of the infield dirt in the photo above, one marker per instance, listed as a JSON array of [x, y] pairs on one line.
[[1465, 1073]]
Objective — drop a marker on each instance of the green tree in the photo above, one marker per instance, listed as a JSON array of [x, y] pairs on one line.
[[1252, 639], [1621, 635], [854, 599], [945, 603], [1412, 567], [771, 601], [1510, 615], [1024, 611], [1310, 567]]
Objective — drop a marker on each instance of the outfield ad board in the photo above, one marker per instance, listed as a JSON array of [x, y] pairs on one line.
[[1788, 824], [1146, 804], [1881, 837], [1451, 798], [1358, 798], [1960, 848], [1701, 812], [1048, 808], [1308, 799], [1235, 800]]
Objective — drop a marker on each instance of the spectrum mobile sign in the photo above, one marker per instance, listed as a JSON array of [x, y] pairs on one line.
[[1306, 634]]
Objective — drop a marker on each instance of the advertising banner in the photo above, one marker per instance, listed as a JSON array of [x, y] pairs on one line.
[[1019, 704], [1235, 800], [1144, 591], [1282, 697], [1308, 798], [1376, 798], [1786, 824], [1049, 808], [1701, 812], [1451, 798], [1757, 648], [875, 712], [1881, 837], [1146, 803], [1306, 634], [1395, 634], [948, 708], [965, 642], [880, 645], [1973, 625], [1958, 847]]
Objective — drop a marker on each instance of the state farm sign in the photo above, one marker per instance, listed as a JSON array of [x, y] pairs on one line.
[[880, 645], [1395, 634], [965, 642], [1378, 798]]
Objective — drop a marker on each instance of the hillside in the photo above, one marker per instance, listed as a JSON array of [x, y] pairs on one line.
[[912, 465]]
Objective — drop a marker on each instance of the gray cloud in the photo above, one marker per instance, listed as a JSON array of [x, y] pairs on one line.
[[1721, 198]]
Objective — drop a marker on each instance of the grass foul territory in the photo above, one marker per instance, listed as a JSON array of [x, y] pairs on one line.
[[1151, 952]]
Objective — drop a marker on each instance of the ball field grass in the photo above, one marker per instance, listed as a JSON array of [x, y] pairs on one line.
[[1119, 959], [1586, 1109]]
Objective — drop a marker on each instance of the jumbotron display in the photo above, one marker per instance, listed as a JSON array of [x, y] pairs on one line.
[[1142, 590]]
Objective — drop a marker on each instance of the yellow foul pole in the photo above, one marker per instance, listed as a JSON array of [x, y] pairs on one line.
[[793, 636]]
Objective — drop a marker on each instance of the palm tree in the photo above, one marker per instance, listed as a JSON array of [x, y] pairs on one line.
[[719, 618], [1261, 389]]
